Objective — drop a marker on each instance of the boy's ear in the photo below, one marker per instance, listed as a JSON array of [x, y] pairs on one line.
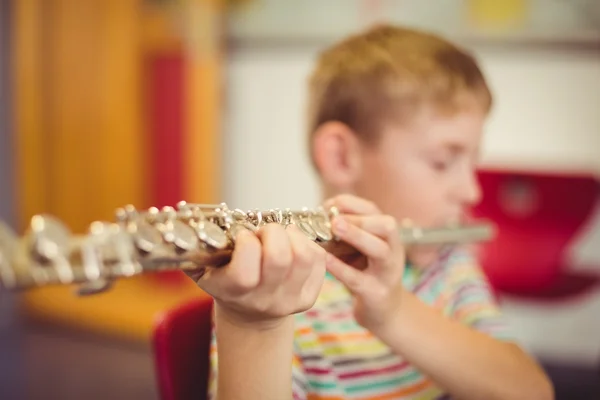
[[336, 153]]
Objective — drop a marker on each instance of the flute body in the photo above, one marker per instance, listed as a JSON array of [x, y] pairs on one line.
[[185, 237]]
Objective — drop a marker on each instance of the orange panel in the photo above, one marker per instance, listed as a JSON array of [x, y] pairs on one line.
[[30, 152], [204, 101], [84, 102], [78, 109], [73, 122], [159, 35], [94, 116], [127, 311], [124, 143]]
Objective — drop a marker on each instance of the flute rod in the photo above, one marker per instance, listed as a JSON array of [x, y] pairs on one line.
[[194, 237]]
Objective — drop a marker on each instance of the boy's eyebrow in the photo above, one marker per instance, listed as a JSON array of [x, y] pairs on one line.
[[457, 148], [453, 147]]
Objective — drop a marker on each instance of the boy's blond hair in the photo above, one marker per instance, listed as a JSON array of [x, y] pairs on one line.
[[386, 74]]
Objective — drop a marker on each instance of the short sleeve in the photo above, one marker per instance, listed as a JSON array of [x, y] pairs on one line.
[[299, 383], [472, 301], [212, 378]]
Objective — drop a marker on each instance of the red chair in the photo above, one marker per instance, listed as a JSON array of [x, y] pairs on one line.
[[181, 344], [537, 215]]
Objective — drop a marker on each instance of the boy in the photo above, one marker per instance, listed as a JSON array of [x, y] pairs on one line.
[[395, 119]]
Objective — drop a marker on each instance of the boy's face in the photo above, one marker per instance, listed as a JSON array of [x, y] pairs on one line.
[[425, 172]]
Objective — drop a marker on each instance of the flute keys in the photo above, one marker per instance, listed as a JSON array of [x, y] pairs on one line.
[[207, 231], [116, 248], [49, 245], [301, 222], [237, 226], [321, 225], [94, 259], [305, 227], [94, 287], [333, 212], [183, 236], [212, 234], [49, 238], [322, 229], [8, 242], [146, 237], [8, 245]]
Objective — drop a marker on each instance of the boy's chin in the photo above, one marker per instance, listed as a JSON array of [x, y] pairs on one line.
[[423, 256]]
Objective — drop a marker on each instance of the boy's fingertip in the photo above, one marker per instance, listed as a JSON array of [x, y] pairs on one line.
[[292, 228], [333, 259], [241, 233], [243, 238], [340, 224], [344, 274], [328, 203], [329, 259], [238, 236]]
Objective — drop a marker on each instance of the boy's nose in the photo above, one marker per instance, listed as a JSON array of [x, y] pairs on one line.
[[470, 191]]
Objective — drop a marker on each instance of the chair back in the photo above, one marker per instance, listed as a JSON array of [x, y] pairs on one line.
[[181, 344], [537, 215]]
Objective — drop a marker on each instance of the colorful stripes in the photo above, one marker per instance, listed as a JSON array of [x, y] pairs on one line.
[[335, 358]]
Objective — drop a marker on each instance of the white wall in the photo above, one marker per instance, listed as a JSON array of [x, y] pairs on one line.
[[547, 116], [265, 153], [548, 109]]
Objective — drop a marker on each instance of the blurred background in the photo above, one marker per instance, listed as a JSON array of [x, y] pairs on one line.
[[147, 102]]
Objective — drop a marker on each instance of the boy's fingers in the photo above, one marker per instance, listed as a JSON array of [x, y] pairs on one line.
[[277, 256], [308, 272], [241, 275], [383, 226], [350, 204], [357, 282], [366, 243], [305, 254], [313, 283], [195, 275]]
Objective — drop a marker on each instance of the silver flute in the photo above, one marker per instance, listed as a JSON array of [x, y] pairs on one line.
[[188, 237]]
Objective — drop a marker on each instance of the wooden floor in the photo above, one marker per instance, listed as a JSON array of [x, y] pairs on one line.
[[70, 365]]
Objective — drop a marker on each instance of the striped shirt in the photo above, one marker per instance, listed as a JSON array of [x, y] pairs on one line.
[[335, 358]]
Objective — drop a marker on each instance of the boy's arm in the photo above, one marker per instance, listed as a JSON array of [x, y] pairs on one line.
[[467, 363], [254, 362], [274, 273]]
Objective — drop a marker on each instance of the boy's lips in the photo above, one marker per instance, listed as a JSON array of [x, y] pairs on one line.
[[445, 221], [451, 221], [460, 218]]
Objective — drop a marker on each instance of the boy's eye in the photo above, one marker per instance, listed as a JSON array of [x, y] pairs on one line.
[[440, 165]]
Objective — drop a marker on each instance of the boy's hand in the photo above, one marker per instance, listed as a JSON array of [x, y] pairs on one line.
[[378, 288], [273, 274]]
